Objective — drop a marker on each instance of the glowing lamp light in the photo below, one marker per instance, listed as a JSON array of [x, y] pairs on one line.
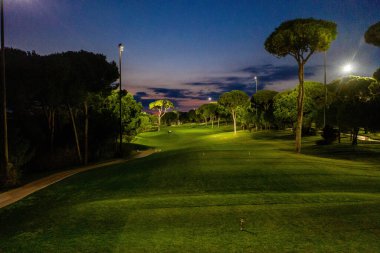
[[209, 98], [347, 68], [121, 47]]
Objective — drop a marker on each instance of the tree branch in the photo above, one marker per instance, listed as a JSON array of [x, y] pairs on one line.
[[308, 56]]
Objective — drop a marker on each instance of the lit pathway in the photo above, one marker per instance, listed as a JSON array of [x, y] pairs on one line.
[[14, 195]]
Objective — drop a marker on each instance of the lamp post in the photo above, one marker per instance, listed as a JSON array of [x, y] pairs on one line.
[[255, 93], [256, 83], [325, 83], [121, 49], [256, 105], [4, 146]]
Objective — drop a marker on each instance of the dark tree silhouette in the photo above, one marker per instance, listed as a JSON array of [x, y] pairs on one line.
[[301, 38]]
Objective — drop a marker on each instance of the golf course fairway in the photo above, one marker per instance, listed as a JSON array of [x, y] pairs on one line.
[[191, 195]]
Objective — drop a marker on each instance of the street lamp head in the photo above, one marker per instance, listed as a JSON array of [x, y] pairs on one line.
[[255, 78], [121, 47], [209, 98], [347, 68]]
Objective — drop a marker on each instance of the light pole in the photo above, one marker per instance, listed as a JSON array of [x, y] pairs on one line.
[[256, 105], [4, 146], [256, 83], [325, 83], [121, 49], [256, 93]]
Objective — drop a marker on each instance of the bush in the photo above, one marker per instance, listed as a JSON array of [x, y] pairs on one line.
[[20, 153], [329, 135], [308, 131]]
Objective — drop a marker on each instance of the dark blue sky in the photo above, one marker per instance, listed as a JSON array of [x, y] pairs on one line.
[[189, 50]]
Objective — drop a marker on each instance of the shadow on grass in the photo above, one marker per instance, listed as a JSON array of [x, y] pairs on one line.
[[135, 146], [248, 232], [273, 135], [364, 152], [345, 151]]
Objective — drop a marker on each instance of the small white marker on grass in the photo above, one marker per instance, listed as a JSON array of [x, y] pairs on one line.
[[242, 224]]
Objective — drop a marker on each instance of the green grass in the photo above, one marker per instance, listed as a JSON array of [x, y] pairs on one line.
[[190, 197]]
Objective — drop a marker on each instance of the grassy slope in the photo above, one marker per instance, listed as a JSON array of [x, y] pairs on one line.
[[190, 196]]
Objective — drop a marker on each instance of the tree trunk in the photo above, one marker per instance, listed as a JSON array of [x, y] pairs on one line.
[[218, 121], [50, 114], [159, 122], [234, 119], [355, 133], [212, 122], [85, 133], [300, 99], [50, 117], [52, 131], [75, 133]]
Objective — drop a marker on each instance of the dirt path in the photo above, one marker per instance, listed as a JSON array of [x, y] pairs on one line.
[[14, 195]]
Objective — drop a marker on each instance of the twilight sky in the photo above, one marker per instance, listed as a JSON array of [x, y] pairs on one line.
[[189, 50]]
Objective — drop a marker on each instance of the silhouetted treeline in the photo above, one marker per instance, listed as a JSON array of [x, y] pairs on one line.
[[62, 109]]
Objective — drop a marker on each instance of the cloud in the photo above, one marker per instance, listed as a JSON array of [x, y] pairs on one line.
[[176, 96], [143, 97], [269, 73], [225, 84], [140, 95], [145, 101], [184, 99], [204, 95], [171, 93], [195, 93], [186, 93], [205, 83]]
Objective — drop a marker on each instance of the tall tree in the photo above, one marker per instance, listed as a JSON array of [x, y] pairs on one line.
[[213, 111], [372, 35], [203, 112], [208, 111], [51, 90], [161, 106], [23, 71], [170, 118], [376, 75], [131, 112], [301, 38], [192, 116], [285, 105], [246, 116], [221, 112], [232, 101], [355, 104], [285, 109], [88, 73], [263, 102]]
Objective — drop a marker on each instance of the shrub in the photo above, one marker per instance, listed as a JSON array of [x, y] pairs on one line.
[[329, 135]]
